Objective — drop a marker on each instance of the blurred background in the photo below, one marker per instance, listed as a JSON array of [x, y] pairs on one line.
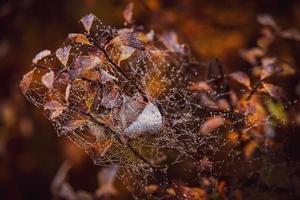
[[30, 151]]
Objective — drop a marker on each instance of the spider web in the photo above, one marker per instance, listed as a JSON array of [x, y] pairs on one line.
[[128, 96]]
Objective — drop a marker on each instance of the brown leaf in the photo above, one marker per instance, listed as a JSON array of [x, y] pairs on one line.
[[63, 54], [267, 20], [171, 42], [60, 177], [55, 107], [26, 81], [87, 22], [106, 178], [241, 78], [189, 193], [67, 92], [273, 90], [211, 124], [72, 125], [251, 55], [126, 52], [128, 13], [48, 79], [269, 70], [199, 86], [292, 33], [79, 38], [267, 39], [126, 37], [102, 147], [41, 55], [250, 148]]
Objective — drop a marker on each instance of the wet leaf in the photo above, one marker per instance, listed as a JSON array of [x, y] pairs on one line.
[[55, 108], [126, 37], [87, 22], [48, 79], [63, 54], [74, 124], [67, 92], [26, 81], [199, 86], [241, 78], [79, 38], [211, 124], [41, 55], [126, 52], [102, 147]]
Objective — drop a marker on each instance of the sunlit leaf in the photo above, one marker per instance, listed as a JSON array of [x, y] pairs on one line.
[[277, 110]]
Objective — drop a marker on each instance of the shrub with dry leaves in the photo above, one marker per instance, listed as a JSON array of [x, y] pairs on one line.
[[139, 99]]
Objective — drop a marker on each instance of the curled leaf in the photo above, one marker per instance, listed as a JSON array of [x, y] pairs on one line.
[[41, 55], [79, 38], [211, 124], [241, 78], [55, 107]]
